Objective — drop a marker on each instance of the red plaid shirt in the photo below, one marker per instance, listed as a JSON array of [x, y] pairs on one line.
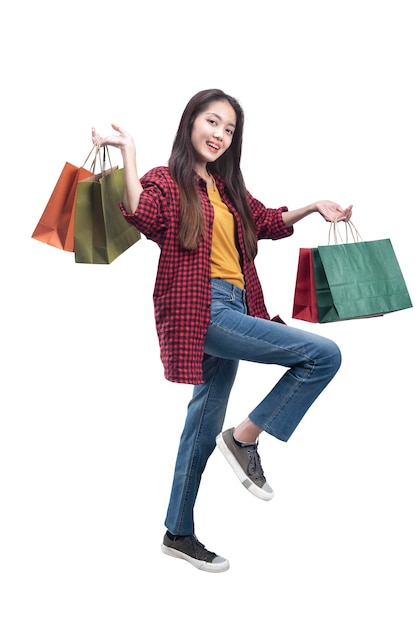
[[182, 292]]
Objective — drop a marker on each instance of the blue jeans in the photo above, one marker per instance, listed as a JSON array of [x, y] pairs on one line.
[[311, 362]]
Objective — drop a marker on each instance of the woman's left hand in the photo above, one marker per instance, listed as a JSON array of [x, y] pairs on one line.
[[331, 211]]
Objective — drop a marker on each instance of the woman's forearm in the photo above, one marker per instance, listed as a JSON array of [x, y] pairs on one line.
[[133, 187], [291, 217], [330, 211]]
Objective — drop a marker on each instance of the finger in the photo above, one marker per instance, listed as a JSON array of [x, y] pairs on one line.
[[95, 137]]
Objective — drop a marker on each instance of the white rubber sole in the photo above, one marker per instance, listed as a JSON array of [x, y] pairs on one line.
[[222, 566], [265, 493]]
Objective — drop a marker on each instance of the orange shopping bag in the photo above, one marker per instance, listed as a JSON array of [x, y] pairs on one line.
[[56, 225]]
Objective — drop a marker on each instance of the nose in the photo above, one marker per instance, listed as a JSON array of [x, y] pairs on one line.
[[217, 133]]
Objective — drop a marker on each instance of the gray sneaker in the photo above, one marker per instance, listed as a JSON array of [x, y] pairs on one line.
[[245, 462], [191, 550]]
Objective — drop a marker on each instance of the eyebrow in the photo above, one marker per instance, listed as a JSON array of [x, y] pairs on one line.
[[219, 117]]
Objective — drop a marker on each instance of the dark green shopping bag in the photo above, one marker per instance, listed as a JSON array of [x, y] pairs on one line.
[[101, 233], [360, 279]]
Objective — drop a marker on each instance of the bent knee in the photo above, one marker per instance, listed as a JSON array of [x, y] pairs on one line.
[[333, 355]]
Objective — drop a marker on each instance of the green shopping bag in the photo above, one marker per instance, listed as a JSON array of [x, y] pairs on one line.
[[358, 279], [101, 233]]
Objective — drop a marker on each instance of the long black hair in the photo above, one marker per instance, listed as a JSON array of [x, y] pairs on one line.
[[182, 160]]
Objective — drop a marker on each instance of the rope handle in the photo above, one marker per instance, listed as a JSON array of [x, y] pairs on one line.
[[349, 229], [101, 159]]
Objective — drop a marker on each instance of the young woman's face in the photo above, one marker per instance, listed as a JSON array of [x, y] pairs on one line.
[[212, 132]]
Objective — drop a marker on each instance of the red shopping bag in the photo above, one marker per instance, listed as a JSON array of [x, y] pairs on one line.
[[56, 225], [304, 303]]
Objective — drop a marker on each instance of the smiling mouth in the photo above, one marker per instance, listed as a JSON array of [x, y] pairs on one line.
[[212, 145]]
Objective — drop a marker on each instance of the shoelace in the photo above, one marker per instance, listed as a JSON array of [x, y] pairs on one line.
[[254, 463], [201, 552]]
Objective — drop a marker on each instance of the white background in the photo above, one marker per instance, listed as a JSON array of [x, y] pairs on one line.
[[89, 425]]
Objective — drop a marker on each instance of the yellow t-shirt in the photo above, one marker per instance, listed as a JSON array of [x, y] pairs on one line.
[[225, 261]]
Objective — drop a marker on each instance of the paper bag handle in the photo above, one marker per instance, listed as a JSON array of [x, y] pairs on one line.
[[94, 149], [102, 159], [349, 228]]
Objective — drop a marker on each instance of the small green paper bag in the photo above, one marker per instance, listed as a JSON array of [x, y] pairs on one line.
[[360, 279], [101, 233]]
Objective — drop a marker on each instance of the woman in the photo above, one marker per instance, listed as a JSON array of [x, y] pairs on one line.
[[209, 306]]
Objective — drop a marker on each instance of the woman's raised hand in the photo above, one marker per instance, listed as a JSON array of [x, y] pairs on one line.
[[121, 140]]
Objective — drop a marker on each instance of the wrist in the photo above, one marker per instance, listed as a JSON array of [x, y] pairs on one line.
[[128, 151]]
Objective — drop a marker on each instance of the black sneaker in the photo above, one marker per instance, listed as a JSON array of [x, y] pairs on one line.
[[245, 462], [191, 550]]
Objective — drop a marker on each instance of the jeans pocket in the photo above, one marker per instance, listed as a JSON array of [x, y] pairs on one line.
[[221, 294]]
